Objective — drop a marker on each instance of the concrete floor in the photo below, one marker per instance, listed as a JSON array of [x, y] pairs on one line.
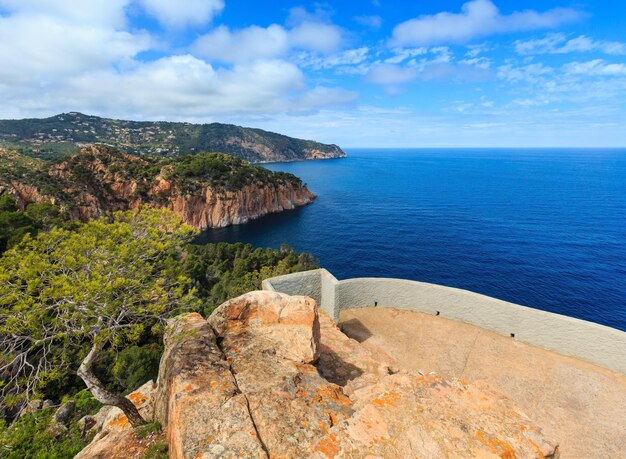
[[581, 405]]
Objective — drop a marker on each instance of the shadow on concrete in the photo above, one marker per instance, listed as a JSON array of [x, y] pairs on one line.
[[355, 329]]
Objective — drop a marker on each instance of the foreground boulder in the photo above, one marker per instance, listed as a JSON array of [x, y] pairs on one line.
[[198, 400], [407, 415], [272, 341]]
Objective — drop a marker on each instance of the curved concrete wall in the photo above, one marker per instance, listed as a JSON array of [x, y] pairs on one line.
[[594, 343]]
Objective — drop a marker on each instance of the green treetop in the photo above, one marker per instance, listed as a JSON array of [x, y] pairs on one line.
[[67, 294]]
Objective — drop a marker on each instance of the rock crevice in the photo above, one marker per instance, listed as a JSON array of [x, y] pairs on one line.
[[250, 412]]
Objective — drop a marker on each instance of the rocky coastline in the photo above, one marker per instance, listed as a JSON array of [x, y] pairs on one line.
[[100, 180]]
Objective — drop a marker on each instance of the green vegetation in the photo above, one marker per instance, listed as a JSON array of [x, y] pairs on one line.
[[60, 135], [15, 224], [223, 271], [23, 169], [133, 366], [98, 293], [66, 295], [157, 450], [36, 435], [148, 429], [221, 171]]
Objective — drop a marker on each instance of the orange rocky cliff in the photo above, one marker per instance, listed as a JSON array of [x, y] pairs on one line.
[[269, 375], [97, 181], [210, 209]]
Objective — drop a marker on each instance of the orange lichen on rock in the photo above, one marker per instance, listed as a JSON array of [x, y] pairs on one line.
[[120, 422], [329, 447], [137, 398], [386, 400], [497, 446], [331, 392]]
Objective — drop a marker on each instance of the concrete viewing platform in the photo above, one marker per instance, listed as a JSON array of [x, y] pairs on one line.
[[580, 404]]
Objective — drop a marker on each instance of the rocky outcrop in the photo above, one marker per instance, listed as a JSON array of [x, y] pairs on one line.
[[268, 375], [331, 152], [198, 398], [25, 193], [211, 209], [100, 179], [271, 341]]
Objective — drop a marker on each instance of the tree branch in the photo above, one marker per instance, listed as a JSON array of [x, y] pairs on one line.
[[101, 394]]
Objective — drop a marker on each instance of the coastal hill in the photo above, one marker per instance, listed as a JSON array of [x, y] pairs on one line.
[[206, 190], [66, 133]]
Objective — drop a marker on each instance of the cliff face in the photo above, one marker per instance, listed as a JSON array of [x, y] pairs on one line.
[[269, 375], [211, 209], [24, 193], [99, 180]]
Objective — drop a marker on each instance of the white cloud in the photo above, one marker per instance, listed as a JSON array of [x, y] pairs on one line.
[[112, 12], [250, 43], [480, 62], [475, 50], [436, 63], [243, 45], [299, 15], [462, 107], [321, 97], [594, 83], [185, 86], [558, 43], [316, 36], [347, 61], [101, 12], [527, 103], [181, 13], [531, 73], [314, 31], [443, 54], [478, 18], [62, 58], [596, 67], [46, 48], [388, 74], [402, 54]]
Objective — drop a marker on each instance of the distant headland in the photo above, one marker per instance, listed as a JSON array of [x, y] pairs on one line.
[[66, 133]]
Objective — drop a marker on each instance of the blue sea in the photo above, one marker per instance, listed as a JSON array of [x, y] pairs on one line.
[[541, 228]]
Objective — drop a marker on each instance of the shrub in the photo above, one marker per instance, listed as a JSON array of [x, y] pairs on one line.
[[135, 365]]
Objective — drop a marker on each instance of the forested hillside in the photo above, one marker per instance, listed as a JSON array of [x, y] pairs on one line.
[[64, 134]]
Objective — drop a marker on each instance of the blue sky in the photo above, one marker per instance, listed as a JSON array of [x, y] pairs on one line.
[[360, 74]]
